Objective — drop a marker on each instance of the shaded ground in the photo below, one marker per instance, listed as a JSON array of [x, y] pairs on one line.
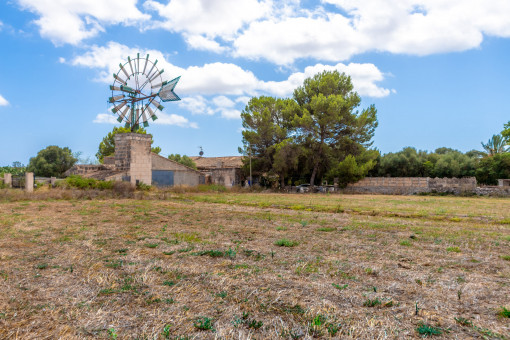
[[348, 267]]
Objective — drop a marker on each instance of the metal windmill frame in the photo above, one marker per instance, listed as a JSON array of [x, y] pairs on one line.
[[135, 90]]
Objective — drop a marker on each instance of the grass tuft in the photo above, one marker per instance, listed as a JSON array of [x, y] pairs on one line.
[[286, 243]]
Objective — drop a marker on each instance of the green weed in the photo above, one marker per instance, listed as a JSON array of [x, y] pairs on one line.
[[372, 303], [504, 313], [406, 243], [426, 330], [339, 287], [286, 243], [453, 249], [327, 229], [203, 323]]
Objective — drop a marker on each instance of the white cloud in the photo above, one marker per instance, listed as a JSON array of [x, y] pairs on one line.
[[71, 21], [200, 42], [173, 119], [397, 26], [197, 105], [222, 101], [230, 85], [3, 101], [163, 119], [225, 78], [364, 79], [62, 60], [211, 18], [230, 113], [105, 118], [243, 100]]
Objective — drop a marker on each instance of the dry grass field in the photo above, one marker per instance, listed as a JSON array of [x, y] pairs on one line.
[[255, 266]]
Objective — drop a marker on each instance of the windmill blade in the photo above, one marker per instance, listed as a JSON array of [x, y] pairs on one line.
[[127, 89], [130, 66], [157, 104], [115, 98], [119, 79], [152, 68], [138, 62], [146, 61], [156, 74], [167, 93], [116, 108], [151, 113], [157, 86], [123, 114], [128, 117], [137, 117], [144, 118], [115, 88], [124, 70]]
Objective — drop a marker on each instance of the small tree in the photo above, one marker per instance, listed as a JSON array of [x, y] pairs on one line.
[[184, 160], [107, 145], [495, 145], [52, 161]]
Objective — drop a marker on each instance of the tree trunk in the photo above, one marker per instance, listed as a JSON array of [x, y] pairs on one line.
[[282, 181], [314, 173]]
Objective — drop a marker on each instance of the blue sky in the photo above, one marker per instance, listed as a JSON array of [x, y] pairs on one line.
[[437, 71]]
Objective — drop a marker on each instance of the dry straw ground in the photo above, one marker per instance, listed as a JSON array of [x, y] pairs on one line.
[[255, 266]]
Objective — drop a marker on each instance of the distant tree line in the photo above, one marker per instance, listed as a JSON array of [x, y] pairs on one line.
[[319, 134]]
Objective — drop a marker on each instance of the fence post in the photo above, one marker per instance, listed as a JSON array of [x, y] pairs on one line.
[[53, 180], [29, 181], [8, 180]]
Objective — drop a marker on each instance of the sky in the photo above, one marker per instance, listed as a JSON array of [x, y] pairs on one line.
[[437, 71]]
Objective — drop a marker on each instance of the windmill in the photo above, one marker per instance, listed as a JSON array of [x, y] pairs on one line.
[[135, 91]]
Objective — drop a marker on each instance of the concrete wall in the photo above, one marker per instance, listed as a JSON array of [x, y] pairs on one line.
[[182, 174], [187, 178], [412, 185], [133, 154], [223, 176]]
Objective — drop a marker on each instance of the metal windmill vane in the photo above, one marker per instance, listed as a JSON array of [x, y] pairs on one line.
[[135, 90]]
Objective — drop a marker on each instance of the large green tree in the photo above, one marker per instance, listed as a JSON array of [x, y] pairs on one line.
[[493, 168], [51, 161], [267, 123], [328, 122], [107, 145]]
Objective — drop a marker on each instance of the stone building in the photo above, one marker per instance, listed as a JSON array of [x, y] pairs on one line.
[[220, 170], [134, 162]]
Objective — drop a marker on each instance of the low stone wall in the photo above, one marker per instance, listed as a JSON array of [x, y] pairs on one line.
[[412, 185], [389, 185], [493, 191]]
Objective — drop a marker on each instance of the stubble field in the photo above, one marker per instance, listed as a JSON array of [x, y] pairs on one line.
[[255, 266]]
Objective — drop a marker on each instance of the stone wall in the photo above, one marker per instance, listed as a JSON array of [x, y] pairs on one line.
[[412, 185], [133, 154], [223, 176]]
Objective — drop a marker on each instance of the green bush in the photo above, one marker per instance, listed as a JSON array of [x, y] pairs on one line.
[[76, 181]]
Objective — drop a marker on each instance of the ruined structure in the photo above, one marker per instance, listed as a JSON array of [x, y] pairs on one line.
[[134, 162], [220, 170]]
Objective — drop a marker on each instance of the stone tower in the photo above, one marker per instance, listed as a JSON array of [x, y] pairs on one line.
[[133, 155]]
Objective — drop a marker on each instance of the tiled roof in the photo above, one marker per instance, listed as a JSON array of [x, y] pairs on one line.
[[217, 162]]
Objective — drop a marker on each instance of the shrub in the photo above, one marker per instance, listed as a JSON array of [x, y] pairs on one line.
[[76, 181], [286, 243]]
